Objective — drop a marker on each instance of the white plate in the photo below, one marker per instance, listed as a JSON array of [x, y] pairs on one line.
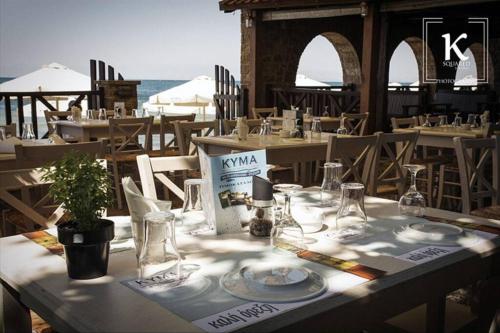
[[436, 228], [434, 233], [274, 276], [235, 284]]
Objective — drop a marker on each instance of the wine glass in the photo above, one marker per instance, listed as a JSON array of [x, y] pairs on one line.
[[443, 121], [326, 113], [342, 130], [457, 122], [427, 122], [102, 114], [287, 231], [412, 203], [28, 133]]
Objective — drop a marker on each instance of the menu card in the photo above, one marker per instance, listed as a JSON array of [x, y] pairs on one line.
[[230, 186]]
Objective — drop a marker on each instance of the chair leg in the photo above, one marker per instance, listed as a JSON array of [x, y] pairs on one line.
[[117, 185], [440, 187], [429, 182], [296, 174], [317, 170]]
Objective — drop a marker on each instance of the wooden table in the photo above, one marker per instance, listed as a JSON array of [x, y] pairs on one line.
[[278, 150], [440, 137], [88, 129], [34, 278], [327, 123]]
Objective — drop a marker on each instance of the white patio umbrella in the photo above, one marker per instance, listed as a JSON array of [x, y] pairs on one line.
[[198, 93], [415, 84], [394, 85], [467, 80], [52, 77], [303, 81]]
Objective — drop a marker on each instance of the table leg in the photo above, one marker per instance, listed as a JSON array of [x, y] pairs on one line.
[[435, 315], [16, 316], [305, 173]]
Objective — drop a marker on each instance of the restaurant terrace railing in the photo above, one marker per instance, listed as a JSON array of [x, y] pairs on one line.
[[42, 97], [227, 97], [335, 99]]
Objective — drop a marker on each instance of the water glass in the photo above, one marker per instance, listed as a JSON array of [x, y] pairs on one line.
[[28, 133], [443, 121], [412, 203], [458, 120], [325, 112], [136, 113], [351, 217], [266, 132], [102, 114], [471, 120], [117, 113], [330, 188], [286, 230], [90, 114], [159, 259], [195, 209], [427, 122], [316, 128], [2, 134]]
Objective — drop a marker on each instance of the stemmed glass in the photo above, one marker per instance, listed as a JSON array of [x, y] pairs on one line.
[[2, 134], [102, 114], [458, 120], [326, 113], [427, 122], [342, 130], [287, 231], [28, 133], [443, 121], [412, 203], [316, 128]]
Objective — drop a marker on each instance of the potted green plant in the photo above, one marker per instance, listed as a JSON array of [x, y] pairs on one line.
[[82, 185]]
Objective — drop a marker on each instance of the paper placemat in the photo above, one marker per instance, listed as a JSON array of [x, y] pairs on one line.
[[467, 225]]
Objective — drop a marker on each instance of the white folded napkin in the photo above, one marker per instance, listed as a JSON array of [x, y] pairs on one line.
[[138, 205], [7, 145]]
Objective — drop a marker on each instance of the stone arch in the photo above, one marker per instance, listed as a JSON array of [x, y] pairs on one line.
[[349, 60], [477, 50], [418, 47]]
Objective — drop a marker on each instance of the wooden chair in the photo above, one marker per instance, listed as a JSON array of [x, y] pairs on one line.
[[356, 155], [166, 127], [184, 130], [355, 123], [156, 167], [261, 113], [124, 145], [10, 130], [39, 155], [253, 124], [388, 176], [408, 122], [475, 158]]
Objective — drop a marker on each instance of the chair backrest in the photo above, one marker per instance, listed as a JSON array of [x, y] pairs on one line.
[[166, 127], [55, 115], [124, 135], [253, 125], [398, 148], [259, 113], [434, 119], [475, 157], [151, 168], [10, 130], [355, 123], [491, 129], [39, 155], [184, 130], [408, 122], [356, 155]]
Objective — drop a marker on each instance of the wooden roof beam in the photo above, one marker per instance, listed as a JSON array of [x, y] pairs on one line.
[[309, 13], [391, 6]]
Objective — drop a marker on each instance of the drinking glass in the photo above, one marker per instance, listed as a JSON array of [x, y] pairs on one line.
[[458, 120], [194, 210], [412, 203], [427, 122], [483, 121], [286, 230], [2, 134], [316, 128], [159, 258], [135, 113], [266, 131], [325, 112], [351, 219], [330, 188], [28, 133], [90, 114], [342, 130], [471, 120], [116, 112], [102, 114], [443, 121]]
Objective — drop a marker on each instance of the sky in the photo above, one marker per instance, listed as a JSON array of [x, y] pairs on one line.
[[147, 39]]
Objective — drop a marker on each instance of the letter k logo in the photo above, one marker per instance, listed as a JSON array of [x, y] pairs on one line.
[[448, 47]]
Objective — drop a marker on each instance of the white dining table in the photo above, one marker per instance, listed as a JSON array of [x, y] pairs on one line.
[[34, 278]]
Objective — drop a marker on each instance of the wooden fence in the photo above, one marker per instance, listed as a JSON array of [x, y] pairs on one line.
[[228, 95]]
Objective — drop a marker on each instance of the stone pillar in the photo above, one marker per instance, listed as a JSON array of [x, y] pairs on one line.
[[119, 91]]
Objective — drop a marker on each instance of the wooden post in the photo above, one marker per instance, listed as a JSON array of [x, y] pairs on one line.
[[8, 110], [93, 86], [373, 68], [34, 119], [255, 84]]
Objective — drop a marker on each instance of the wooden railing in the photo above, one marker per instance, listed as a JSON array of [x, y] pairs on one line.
[[98, 72], [336, 99], [227, 97], [41, 96]]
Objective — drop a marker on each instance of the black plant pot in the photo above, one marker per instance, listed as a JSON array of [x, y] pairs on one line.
[[86, 252]]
